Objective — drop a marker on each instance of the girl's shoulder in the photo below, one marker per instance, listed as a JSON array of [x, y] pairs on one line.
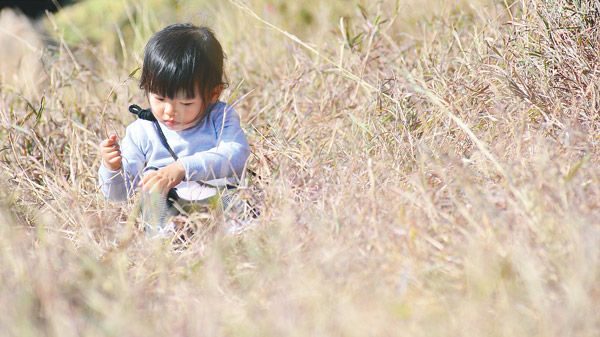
[[140, 125], [139, 129], [221, 108]]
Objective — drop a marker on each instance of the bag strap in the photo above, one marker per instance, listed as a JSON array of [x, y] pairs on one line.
[[148, 116]]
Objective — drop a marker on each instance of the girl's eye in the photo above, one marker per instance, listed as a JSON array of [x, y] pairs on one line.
[[158, 98], [186, 104]]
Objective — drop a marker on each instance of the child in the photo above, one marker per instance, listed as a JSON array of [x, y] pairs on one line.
[[182, 77]]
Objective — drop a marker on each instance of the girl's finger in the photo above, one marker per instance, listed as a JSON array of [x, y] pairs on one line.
[[114, 149], [153, 187], [148, 185], [111, 154], [146, 179], [110, 141], [156, 185], [114, 160], [165, 191]]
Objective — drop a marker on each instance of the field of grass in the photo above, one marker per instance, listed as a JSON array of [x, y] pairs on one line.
[[426, 169]]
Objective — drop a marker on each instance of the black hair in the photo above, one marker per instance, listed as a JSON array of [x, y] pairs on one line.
[[183, 57]]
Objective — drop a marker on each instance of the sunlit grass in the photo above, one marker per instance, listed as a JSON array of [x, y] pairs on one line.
[[424, 170]]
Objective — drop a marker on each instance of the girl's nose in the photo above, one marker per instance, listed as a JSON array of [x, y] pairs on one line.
[[169, 110]]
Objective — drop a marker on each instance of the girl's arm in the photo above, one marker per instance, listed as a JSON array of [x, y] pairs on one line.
[[228, 158], [118, 185]]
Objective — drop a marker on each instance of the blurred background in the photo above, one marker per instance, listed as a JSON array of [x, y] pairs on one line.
[[427, 168]]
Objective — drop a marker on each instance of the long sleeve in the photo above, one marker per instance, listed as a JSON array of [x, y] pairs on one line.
[[119, 185], [215, 148], [112, 184]]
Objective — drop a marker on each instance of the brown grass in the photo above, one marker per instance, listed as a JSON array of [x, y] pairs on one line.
[[426, 170]]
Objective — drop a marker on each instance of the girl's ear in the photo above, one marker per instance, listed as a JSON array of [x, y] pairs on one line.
[[216, 93]]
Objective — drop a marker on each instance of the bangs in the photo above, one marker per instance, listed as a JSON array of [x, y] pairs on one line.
[[170, 86], [171, 73], [184, 60]]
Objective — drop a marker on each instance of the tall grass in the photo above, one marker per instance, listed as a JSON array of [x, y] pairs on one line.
[[425, 170]]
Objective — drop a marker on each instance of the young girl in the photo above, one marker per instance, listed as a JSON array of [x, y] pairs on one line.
[[202, 140]]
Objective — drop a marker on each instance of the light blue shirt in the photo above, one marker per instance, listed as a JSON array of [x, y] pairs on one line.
[[215, 149]]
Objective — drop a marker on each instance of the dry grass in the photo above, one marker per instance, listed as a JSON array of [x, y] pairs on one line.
[[427, 170]]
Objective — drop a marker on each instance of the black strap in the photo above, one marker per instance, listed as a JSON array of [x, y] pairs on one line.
[[147, 115]]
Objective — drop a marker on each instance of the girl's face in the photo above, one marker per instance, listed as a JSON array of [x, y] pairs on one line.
[[180, 112]]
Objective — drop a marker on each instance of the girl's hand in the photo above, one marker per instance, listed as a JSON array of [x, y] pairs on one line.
[[111, 153], [164, 179]]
